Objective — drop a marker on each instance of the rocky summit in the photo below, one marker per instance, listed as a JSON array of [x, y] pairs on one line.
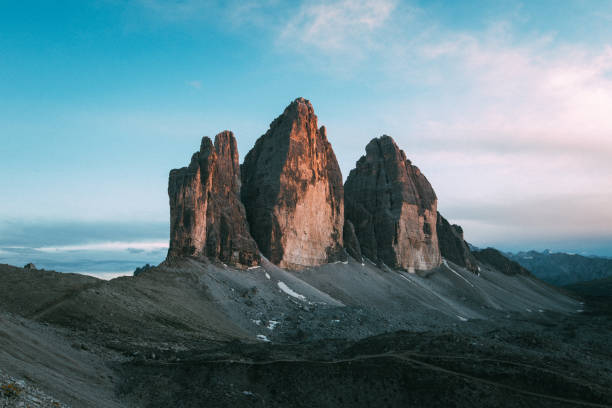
[[207, 218], [393, 208], [453, 246], [292, 190]]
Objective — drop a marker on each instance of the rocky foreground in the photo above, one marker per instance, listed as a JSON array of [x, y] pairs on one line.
[[343, 334]]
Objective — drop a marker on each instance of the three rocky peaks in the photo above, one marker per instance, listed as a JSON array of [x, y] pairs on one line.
[[287, 203]]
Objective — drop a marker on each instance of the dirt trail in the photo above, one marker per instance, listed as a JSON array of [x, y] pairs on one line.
[[409, 357]]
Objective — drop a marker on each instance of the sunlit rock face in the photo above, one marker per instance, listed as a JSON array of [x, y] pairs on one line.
[[393, 208], [292, 191], [453, 246], [207, 218]]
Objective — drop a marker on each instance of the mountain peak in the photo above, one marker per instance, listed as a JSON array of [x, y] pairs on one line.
[[393, 208], [207, 218], [292, 190]]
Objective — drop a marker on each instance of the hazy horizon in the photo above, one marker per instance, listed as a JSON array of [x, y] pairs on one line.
[[504, 106]]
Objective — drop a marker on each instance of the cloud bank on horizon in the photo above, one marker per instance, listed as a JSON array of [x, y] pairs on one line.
[[505, 107]]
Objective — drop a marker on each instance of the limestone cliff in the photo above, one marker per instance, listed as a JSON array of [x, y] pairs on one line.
[[292, 191], [206, 215], [393, 208]]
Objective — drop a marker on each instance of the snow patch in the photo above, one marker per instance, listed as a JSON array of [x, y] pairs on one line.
[[267, 276], [463, 319], [369, 261], [282, 286], [253, 267], [456, 273], [261, 337], [272, 324], [257, 322], [409, 280]]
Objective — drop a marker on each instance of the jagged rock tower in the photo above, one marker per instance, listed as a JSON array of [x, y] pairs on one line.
[[207, 218], [393, 208], [292, 191]]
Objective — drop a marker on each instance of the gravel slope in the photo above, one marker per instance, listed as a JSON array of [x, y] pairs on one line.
[[143, 341]]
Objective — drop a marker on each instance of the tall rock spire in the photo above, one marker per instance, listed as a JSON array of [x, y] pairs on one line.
[[207, 218], [292, 191], [392, 207]]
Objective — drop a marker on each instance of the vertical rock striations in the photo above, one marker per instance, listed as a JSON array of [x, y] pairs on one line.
[[393, 208], [292, 190], [206, 215], [351, 243], [452, 245]]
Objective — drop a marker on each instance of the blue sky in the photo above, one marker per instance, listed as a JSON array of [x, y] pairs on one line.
[[505, 106]]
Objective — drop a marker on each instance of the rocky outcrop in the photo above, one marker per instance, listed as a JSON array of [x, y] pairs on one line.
[[292, 191], [393, 208], [453, 246], [207, 218], [140, 270]]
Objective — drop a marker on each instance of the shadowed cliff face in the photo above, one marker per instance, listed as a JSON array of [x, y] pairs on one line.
[[452, 245], [292, 190], [393, 208], [206, 215]]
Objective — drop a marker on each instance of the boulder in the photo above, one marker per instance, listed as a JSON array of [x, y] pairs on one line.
[[393, 208], [453, 246], [207, 218], [292, 191]]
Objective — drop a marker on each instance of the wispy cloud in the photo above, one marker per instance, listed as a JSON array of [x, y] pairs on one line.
[[108, 246], [195, 84], [341, 26]]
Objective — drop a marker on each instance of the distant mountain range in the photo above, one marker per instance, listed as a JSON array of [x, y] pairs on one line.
[[563, 268]]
